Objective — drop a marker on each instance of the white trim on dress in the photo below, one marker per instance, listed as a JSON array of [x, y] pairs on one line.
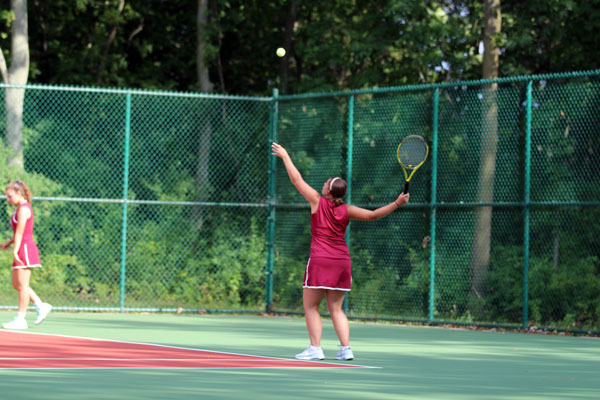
[[26, 254], [27, 265], [324, 287], [306, 280]]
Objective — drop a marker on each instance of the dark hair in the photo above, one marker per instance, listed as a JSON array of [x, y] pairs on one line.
[[338, 188], [21, 188]]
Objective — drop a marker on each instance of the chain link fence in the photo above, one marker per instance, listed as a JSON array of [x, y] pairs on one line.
[[161, 201], [144, 200], [502, 227]]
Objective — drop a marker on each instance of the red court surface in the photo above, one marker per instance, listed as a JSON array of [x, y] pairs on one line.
[[23, 350]]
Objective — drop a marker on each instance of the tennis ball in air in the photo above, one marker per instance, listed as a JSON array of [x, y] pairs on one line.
[[280, 52]]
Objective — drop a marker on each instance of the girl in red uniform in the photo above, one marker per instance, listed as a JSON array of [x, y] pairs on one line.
[[25, 255], [328, 271]]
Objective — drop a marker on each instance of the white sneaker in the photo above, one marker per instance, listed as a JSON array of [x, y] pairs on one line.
[[42, 313], [17, 323], [345, 353], [311, 353]]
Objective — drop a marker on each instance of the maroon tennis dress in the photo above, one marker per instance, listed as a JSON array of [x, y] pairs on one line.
[[28, 252], [329, 265]]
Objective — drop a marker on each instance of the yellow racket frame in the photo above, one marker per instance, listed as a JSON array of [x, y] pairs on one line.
[[414, 168]]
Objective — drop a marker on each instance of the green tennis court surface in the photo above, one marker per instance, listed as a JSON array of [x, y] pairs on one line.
[[415, 362]]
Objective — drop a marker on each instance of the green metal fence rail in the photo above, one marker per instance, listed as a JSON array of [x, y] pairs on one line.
[[162, 201]]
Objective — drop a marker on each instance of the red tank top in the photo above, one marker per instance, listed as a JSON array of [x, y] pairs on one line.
[[328, 227], [28, 232]]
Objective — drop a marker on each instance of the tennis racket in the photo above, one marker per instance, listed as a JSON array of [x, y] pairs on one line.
[[412, 153]]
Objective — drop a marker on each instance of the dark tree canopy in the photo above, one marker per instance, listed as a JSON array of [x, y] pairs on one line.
[[334, 45]]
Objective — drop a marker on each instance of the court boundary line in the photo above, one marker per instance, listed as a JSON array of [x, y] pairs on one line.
[[265, 358], [149, 359], [170, 368]]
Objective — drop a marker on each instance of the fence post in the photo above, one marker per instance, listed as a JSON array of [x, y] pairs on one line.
[[526, 201], [125, 194], [349, 176], [434, 152], [271, 200]]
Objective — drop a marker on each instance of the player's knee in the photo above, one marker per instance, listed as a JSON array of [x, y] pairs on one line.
[[335, 309]]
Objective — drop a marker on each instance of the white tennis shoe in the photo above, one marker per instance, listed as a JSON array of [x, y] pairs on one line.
[[311, 353], [345, 353], [17, 323], [42, 313]]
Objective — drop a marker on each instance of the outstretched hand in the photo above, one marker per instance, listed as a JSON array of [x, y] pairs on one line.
[[402, 199], [279, 150]]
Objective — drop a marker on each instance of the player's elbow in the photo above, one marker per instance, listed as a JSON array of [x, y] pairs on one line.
[[372, 216], [362, 214]]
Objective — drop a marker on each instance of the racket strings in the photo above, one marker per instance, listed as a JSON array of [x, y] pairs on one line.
[[412, 152]]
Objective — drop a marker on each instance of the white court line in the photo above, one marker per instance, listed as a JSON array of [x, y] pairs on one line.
[[177, 368], [152, 359]]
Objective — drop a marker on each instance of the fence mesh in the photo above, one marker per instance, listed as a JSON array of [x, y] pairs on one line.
[[170, 201]]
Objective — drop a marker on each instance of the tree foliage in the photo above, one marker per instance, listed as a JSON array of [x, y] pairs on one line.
[[337, 44]]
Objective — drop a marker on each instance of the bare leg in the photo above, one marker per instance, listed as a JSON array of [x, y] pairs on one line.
[[34, 297], [335, 300], [311, 298], [20, 281]]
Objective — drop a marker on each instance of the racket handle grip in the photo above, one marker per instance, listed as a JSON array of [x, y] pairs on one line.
[[405, 187]]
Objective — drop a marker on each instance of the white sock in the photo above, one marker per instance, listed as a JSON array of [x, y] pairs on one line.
[[344, 347], [39, 303], [21, 315]]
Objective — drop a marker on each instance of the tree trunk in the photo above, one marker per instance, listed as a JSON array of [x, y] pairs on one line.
[[480, 253], [109, 40], [205, 126], [17, 75], [203, 77]]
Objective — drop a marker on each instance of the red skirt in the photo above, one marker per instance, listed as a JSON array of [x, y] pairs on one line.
[[29, 254], [328, 273]]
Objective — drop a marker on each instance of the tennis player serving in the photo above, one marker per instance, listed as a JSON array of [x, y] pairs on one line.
[[328, 271]]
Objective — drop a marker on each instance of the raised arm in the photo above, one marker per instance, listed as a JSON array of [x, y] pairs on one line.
[[363, 214], [310, 194]]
